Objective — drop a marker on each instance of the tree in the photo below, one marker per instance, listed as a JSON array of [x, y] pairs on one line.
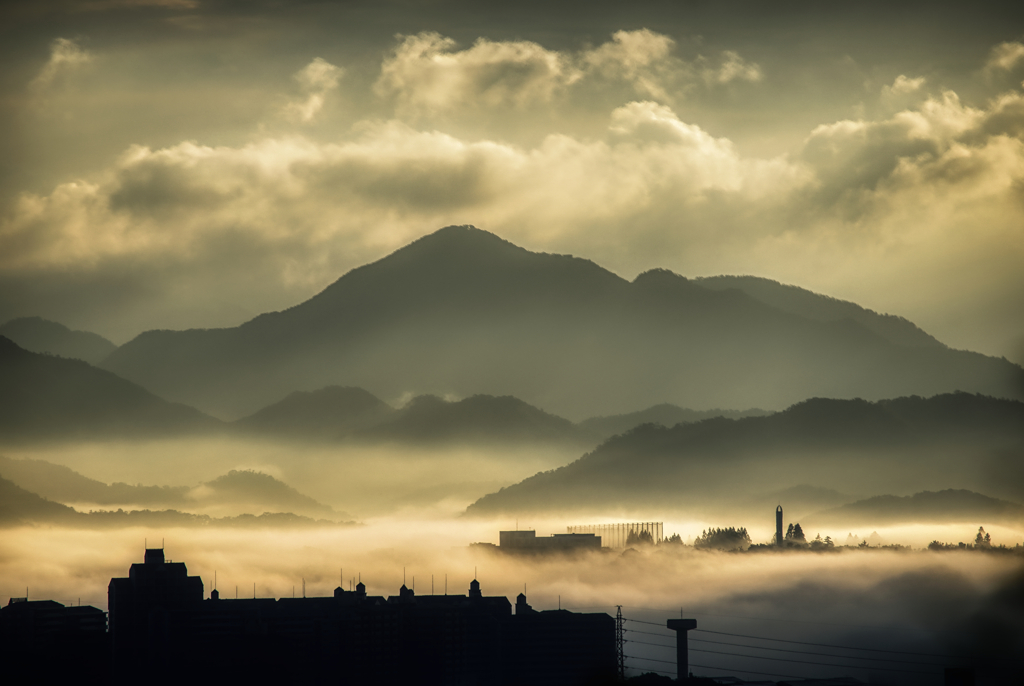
[[789, 532], [798, 534], [674, 539], [723, 539], [639, 538], [983, 539]]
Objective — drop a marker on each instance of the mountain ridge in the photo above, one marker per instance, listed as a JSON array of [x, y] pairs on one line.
[[740, 459], [463, 312]]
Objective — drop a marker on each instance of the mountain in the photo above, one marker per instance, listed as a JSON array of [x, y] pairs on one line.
[[823, 308], [948, 506], [63, 484], [42, 396], [258, 492], [462, 312], [18, 506], [236, 491], [42, 336], [337, 413], [479, 418], [328, 413], [952, 438], [664, 414]]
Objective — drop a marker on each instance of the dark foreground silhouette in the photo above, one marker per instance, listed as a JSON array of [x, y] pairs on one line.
[[162, 630]]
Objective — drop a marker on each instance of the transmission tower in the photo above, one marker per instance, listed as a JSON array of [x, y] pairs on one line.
[[620, 641]]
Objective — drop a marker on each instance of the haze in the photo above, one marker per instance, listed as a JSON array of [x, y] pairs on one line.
[[313, 292]]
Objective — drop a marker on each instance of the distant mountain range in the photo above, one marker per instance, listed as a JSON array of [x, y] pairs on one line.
[[948, 506], [44, 397], [960, 438], [20, 505], [337, 413], [462, 312], [41, 336], [663, 414], [238, 490], [48, 397]]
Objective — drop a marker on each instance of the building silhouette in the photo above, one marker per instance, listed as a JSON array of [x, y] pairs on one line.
[[528, 541], [35, 632], [163, 627]]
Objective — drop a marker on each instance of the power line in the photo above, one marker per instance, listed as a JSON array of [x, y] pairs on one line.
[[761, 619], [801, 652], [651, 659], [645, 643], [808, 662], [640, 621], [651, 633], [822, 645]]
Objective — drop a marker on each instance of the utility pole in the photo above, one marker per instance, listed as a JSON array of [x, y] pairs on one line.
[[620, 641]]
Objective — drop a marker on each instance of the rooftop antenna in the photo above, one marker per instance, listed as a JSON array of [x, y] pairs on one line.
[[215, 579], [414, 583], [474, 572], [161, 544]]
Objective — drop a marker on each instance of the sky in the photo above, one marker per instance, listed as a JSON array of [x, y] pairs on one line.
[[191, 163]]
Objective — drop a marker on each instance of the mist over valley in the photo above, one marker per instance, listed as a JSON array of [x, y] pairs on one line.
[[560, 344]]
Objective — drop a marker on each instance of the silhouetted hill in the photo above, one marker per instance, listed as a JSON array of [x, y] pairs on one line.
[[238, 490], [335, 413], [462, 312], [480, 418], [823, 308], [329, 413], [262, 491], [954, 437], [42, 396], [664, 414], [63, 484], [42, 336], [18, 506], [947, 506]]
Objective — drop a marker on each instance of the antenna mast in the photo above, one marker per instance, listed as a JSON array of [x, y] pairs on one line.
[[620, 641]]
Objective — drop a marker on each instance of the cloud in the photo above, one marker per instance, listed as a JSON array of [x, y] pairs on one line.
[[65, 55], [1005, 57], [426, 73], [732, 68], [643, 58], [317, 79], [931, 195], [902, 86]]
